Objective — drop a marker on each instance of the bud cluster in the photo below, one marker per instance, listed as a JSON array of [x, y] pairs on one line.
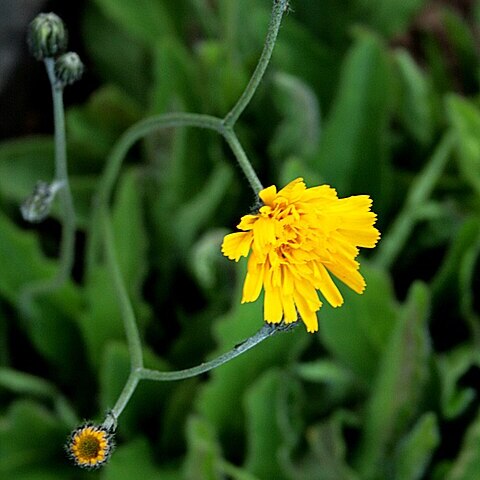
[[47, 39]]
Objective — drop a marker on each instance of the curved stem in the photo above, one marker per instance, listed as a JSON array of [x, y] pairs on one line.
[[242, 160], [138, 131], [279, 8], [67, 242], [123, 399], [128, 315], [120, 150], [265, 332], [148, 374]]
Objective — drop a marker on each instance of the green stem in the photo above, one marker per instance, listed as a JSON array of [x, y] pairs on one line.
[[242, 160], [420, 191], [265, 332], [138, 131], [123, 399], [141, 373], [128, 315], [118, 154], [67, 242], [279, 8]]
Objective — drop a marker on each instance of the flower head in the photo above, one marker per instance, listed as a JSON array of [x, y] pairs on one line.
[[90, 446], [297, 240], [47, 36], [68, 68]]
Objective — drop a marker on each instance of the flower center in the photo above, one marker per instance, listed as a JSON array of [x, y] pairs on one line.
[[89, 447]]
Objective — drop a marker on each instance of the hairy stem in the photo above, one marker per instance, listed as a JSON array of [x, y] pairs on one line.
[[128, 315], [279, 8], [265, 332], [242, 160], [67, 243]]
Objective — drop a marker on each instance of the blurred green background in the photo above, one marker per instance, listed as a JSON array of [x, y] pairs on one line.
[[374, 97]]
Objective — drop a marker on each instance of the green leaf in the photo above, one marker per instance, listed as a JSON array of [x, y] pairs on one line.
[[175, 83], [22, 163], [43, 474], [398, 388], [193, 215], [464, 118], [415, 108], [451, 367], [135, 460], [129, 229], [223, 79], [101, 320], [463, 44], [353, 154], [467, 277], [335, 377], [52, 330], [328, 449], [391, 17], [467, 464], [94, 127], [264, 436], [356, 334], [295, 167], [29, 435], [26, 384], [299, 53], [106, 44], [228, 383], [206, 260], [299, 131], [414, 452], [468, 235], [145, 20], [202, 461]]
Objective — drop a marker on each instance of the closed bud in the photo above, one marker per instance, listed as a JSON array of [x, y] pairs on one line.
[[37, 206], [68, 68], [47, 36]]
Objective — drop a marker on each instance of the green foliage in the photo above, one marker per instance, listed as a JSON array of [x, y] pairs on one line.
[[355, 134], [362, 94]]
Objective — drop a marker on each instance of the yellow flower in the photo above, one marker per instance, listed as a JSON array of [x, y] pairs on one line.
[[90, 446], [296, 241]]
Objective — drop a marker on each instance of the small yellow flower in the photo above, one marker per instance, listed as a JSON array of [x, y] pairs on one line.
[[296, 241], [90, 446]]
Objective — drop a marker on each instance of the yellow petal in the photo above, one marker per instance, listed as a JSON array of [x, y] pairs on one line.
[[272, 307], [289, 311], [263, 233], [309, 317], [253, 281], [307, 291], [328, 288], [367, 237], [267, 195], [348, 276], [247, 222], [236, 245]]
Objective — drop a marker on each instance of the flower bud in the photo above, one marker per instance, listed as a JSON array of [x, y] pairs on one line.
[[47, 36], [37, 206], [68, 68]]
